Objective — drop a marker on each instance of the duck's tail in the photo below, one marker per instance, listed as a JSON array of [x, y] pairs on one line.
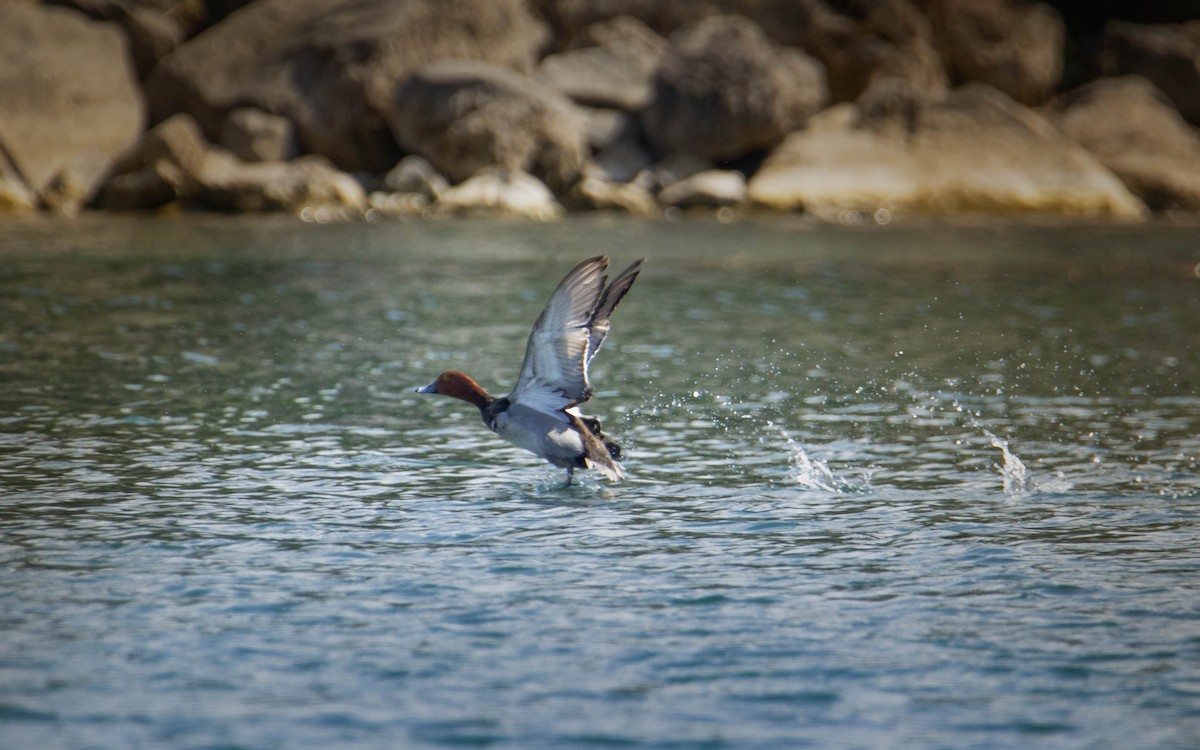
[[606, 466]]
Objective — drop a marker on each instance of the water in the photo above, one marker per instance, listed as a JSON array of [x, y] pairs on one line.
[[906, 487]]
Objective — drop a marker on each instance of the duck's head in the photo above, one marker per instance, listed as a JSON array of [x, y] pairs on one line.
[[457, 385]]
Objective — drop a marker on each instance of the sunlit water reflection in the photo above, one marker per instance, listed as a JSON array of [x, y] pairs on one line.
[[917, 487]]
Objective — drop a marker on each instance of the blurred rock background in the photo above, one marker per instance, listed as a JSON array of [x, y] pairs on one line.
[[866, 108]]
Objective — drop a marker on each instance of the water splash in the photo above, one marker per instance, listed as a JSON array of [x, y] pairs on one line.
[[813, 473], [742, 425], [809, 472], [1012, 472]]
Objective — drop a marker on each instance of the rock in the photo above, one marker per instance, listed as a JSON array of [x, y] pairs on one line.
[[503, 191], [415, 175], [597, 194], [70, 189], [860, 42], [174, 163], [723, 90], [603, 128], [151, 32], [215, 11], [15, 196], [620, 30], [162, 168], [570, 18], [69, 102], [1014, 45], [144, 190], [1168, 55], [331, 66], [619, 152], [177, 141], [711, 188], [310, 182], [1134, 131], [974, 150], [396, 205], [676, 167], [617, 72], [253, 135], [463, 116]]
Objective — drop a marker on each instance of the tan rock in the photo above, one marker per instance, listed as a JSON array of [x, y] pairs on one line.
[[498, 190], [254, 135], [975, 150], [1166, 54], [1133, 130], [69, 101], [15, 196], [174, 163], [596, 194], [414, 175], [162, 168], [152, 31], [310, 182], [711, 188]]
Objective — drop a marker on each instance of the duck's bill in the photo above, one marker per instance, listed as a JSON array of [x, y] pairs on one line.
[[431, 388]]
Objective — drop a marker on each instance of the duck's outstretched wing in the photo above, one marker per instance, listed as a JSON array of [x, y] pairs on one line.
[[567, 334], [609, 298]]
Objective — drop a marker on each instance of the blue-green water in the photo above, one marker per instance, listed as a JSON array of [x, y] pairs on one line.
[[903, 487]]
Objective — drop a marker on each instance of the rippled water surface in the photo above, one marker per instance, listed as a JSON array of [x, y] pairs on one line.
[[905, 487]]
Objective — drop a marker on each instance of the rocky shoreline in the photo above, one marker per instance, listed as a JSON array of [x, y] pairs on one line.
[[341, 109]]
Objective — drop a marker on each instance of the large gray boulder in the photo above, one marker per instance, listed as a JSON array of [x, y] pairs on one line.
[[69, 101], [331, 66], [1168, 55], [1134, 131], [976, 150], [463, 116], [1015, 46], [724, 89]]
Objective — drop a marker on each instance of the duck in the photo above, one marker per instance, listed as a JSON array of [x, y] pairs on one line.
[[542, 414]]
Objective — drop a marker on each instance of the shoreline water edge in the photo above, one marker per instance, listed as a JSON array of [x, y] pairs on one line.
[[852, 112]]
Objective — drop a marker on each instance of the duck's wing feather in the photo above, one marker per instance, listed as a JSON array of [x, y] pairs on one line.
[[554, 373], [609, 298]]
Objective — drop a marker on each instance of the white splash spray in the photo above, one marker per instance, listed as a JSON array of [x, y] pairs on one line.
[[1012, 472], [811, 473]]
